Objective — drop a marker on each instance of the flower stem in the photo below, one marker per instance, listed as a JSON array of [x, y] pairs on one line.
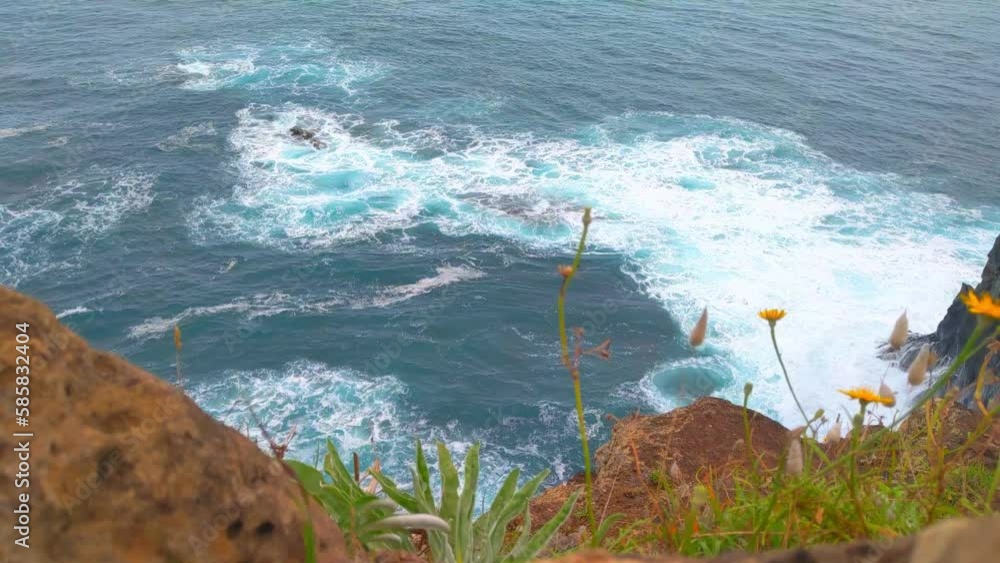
[[788, 380], [575, 373], [853, 479]]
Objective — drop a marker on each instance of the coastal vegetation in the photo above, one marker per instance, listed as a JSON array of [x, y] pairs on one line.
[[880, 475]]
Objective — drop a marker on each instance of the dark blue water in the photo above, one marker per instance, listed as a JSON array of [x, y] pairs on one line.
[[834, 159]]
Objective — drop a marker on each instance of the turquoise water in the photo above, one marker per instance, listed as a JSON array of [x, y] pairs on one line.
[[834, 159]]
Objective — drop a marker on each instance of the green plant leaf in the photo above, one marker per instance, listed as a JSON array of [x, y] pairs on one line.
[[521, 498], [449, 484], [309, 538], [603, 528], [541, 538], [463, 520], [334, 466], [427, 522], [422, 475], [405, 501], [309, 476], [503, 495]]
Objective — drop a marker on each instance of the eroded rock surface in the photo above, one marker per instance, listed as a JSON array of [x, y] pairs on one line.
[[707, 435], [125, 468]]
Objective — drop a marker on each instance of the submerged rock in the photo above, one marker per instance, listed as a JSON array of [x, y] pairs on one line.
[[304, 134], [124, 467]]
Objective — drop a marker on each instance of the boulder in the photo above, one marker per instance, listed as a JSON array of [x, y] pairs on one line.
[[707, 435], [123, 467]]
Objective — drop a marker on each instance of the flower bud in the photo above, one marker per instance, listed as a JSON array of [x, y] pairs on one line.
[[675, 472], [699, 330], [918, 369], [899, 332], [793, 463], [834, 434], [884, 391]]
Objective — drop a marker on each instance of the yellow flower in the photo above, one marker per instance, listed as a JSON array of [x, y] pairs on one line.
[[177, 337], [772, 315], [866, 395], [982, 304]]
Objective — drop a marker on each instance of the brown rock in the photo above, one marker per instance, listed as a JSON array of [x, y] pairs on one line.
[[706, 436], [125, 468], [954, 426], [951, 541]]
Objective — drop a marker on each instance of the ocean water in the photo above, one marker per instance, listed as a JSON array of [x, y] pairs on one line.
[[837, 159]]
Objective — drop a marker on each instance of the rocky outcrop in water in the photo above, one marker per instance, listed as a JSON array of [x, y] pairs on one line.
[[954, 330], [123, 467], [304, 134]]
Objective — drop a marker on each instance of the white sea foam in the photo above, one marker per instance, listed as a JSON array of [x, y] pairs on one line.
[[344, 405], [121, 194], [183, 138], [732, 215], [373, 415], [6, 133], [69, 214], [260, 305], [270, 304], [295, 67], [446, 275], [25, 238], [73, 311]]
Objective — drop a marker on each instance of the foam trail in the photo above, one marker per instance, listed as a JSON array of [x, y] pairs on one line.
[[300, 67], [7, 133], [270, 304], [72, 311], [260, 305], [182, 139], [446, 275], [707, 211]]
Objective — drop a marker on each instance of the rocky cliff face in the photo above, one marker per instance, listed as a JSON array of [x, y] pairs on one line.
[[956, 327], [122, 467]]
